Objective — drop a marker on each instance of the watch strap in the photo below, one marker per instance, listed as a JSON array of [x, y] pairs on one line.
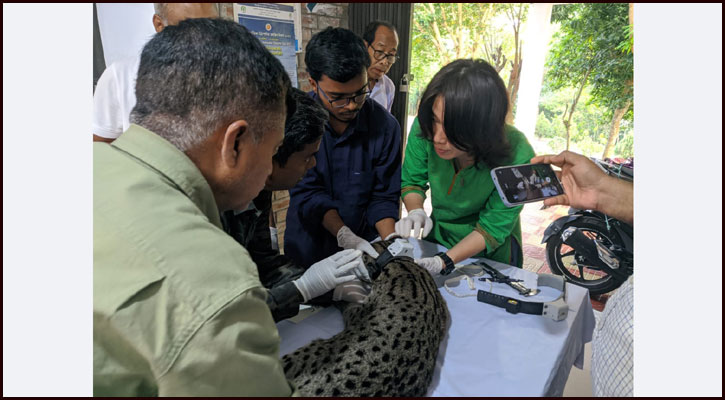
[[448, 265]]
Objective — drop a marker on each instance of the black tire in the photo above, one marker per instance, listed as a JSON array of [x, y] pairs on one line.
[[564, 260]]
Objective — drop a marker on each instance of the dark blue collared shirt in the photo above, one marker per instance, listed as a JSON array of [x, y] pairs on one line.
[[357, 174]]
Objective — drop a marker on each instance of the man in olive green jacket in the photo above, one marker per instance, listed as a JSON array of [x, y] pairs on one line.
[[178, 308]]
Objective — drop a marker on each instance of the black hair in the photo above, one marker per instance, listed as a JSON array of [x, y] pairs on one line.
[[203, 73], [338, 53], [372, 28], [305, 124], [476, 104]]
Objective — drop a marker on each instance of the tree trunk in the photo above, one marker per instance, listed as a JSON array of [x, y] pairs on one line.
[[614, 129], [567, 124], [513, 88], [631, 13], [567, 119], [437, 39]]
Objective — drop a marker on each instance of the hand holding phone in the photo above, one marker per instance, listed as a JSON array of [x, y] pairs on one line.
[[526, 183]]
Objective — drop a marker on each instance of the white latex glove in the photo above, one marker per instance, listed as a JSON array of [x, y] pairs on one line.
[[326, 274], [416, 220], [434, 264], [355, 291], [348, 240]]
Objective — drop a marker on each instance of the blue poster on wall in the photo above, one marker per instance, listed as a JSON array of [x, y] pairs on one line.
[[273, 25]]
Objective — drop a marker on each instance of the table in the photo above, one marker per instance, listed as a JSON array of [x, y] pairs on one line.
[[487, 351]]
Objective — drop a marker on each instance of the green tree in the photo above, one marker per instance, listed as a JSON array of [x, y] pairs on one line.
[[443, 32], [591, 49]]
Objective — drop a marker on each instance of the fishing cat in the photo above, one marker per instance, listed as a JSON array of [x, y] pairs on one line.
[[390, 341]]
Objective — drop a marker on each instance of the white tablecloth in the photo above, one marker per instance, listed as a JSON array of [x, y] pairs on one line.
[[487, 351]]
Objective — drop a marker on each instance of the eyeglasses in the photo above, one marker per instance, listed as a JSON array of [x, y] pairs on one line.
[[379, 55], [344, 101]]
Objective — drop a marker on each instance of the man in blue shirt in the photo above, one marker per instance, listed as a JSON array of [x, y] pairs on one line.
[[352, 195]]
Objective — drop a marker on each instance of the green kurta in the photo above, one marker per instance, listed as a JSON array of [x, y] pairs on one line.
[[465, 201], [178, 309]]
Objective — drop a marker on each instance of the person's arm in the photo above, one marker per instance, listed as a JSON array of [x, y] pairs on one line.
[[284, 301], [413, 200], [97, 138], [588, 187], [268, 259], [496, 221], [414, 173], [617, 199], [314, 200], [332, 222], [385, 227], [384, 206], [235, 353], [414, 183], [471, 245]]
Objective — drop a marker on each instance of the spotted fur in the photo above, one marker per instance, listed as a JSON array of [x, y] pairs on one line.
[[389, 344]]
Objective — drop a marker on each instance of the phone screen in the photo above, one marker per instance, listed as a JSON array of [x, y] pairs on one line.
[[527, 183]]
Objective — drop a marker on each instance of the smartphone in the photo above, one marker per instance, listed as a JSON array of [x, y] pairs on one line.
[[526, 183]]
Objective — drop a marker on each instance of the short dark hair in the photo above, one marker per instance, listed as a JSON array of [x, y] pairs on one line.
[[372, 28], [201, 74], [305, 124], [338, 53], [476, 104]]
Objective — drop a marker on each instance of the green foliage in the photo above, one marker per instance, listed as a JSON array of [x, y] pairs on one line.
[[627, 46], [590, 44], [443, 32], [625, 146], [590, 125], [544, 127], [594, 38], [588, 147], [593, 46]]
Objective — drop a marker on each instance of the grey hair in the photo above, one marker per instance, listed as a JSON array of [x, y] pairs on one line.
[[161, 9], [196, 77]]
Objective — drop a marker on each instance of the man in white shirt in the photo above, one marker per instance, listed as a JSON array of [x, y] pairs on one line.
[[115, 93], [586, 187], [381, 39]]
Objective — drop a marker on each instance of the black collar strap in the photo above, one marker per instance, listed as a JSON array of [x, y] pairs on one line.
[[556, 309], [448, 265], [399, 249]]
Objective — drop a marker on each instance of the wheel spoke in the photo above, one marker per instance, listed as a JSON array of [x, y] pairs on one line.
[[568, 253], [571, 265], [581, 271]]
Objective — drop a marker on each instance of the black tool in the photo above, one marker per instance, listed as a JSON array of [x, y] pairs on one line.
[[499, 277]]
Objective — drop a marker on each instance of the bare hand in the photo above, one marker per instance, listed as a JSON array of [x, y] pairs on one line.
[[581, 178]]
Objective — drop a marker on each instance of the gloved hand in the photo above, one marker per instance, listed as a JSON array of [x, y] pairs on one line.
[[355, 291], [417, 219], [326, 274], [348, 240], [434, 264]]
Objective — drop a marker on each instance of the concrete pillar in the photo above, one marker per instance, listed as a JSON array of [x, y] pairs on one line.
[[535, 47]]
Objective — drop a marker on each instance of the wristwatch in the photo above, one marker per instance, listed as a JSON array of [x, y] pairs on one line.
[[448, 265]]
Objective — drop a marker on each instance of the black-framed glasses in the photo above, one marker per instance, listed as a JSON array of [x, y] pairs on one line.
[[344, 101], [379, 55]]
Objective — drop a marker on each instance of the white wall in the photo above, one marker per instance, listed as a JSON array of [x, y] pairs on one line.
[[535, 47], [125, 28]]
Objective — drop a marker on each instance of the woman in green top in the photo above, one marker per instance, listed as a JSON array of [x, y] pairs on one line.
[[458, 137]]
